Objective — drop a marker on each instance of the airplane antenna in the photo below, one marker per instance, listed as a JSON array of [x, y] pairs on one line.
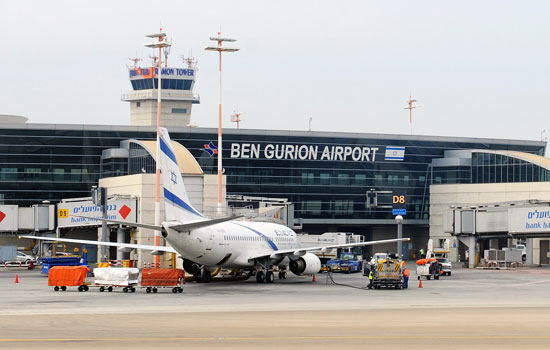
[[410, 107]]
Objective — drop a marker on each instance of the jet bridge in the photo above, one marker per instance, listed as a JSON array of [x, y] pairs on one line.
[[529, 220]]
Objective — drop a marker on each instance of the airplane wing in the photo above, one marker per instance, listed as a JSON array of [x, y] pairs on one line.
[[197, 224], [110, 244], [277, 254]]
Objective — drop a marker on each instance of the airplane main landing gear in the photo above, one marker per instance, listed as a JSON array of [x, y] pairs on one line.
[[282, 275], [267, 277], [260, 277], [202, 276]]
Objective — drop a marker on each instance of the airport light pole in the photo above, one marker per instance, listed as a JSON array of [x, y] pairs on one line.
[[399, 221], [219, 48], [160, 44]]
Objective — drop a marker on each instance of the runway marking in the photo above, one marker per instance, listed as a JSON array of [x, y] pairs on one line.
[[366, 337]]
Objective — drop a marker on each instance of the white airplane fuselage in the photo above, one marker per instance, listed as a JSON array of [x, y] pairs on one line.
[[230, 244]]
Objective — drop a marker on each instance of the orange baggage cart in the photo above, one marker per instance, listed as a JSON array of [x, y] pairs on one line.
[[153, 279], [61, 277]]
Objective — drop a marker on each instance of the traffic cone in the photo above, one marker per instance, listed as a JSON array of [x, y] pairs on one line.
[[16, 278], [314, 279], [420, 284]]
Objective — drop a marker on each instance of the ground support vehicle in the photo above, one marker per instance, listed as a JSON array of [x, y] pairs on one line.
[[428, 268], [61, 277], [388, 273], [334, 265], [48, 263], [154, 279], [109, 278]]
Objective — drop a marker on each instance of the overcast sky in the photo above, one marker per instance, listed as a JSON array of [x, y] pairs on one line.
[[478, 68]]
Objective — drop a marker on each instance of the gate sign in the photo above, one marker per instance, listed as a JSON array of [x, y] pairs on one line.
[[533, 219], [399, 203], [8, 218], [117, 209]]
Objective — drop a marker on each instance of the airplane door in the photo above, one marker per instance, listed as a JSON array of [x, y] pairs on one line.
[[210, 242]]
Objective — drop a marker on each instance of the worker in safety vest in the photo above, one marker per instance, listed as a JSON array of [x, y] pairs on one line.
[[421, 253], [406, 274], [370, 279]]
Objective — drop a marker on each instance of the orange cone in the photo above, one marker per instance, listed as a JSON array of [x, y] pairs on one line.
[[314, 279], [420, 285], [16, 278]]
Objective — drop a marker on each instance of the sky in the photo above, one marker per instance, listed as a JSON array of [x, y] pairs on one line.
[[478, 68]]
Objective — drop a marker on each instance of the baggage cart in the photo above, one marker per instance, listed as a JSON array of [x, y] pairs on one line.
[[428, 268], [153, 279], [109, 278], [61, 277], [49, 262]]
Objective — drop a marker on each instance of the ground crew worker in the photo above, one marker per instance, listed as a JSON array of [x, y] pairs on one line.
[[421, 253], [370, 279], [406, 274]]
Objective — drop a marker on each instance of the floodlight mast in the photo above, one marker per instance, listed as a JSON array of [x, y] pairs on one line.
[[160, 44], [220, 49]]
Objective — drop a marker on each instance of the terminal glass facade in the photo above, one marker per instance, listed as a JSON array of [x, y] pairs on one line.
[[325, 175]]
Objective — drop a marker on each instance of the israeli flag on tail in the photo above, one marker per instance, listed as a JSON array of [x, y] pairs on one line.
[[395, 153], [176, 202]]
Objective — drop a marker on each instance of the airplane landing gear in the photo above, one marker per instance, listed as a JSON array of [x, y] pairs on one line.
[[260, 277], [269, 277], [202, 276]]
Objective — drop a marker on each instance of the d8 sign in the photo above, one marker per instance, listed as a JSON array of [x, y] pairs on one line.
[[399, 201]]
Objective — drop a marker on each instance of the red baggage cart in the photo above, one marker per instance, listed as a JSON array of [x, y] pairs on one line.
[[153, 279], [61, 277]]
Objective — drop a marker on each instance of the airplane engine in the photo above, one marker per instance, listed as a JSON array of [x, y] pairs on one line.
[[309, 264]]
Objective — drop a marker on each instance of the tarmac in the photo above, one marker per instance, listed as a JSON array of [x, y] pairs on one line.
[[490, 309]]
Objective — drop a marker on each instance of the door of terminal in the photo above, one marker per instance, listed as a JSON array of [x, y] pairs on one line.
[[544, 249]]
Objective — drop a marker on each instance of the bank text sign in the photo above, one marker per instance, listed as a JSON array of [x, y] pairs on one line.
[[534, 219], [70, 214]]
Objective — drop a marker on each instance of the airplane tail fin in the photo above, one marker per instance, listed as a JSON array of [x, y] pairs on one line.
[[176, 202]]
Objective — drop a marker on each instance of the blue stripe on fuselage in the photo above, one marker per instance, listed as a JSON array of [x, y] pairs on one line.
[[178, 201], [267, 239], [164, 147]]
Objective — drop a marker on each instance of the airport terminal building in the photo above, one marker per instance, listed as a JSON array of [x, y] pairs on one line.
[[325, 175]]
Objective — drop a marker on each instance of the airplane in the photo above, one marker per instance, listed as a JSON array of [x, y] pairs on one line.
[[259, 248]]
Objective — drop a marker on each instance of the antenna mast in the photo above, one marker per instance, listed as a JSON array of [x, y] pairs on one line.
[[410, 107], [236, 118], [136, 60]]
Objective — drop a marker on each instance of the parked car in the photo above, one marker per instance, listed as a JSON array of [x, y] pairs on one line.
[[25, 258], [446, 265]]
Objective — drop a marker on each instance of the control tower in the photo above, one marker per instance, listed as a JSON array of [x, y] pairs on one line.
[[176, 91]]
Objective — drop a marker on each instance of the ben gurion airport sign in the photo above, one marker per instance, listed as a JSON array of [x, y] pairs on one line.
[[314, 152]]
